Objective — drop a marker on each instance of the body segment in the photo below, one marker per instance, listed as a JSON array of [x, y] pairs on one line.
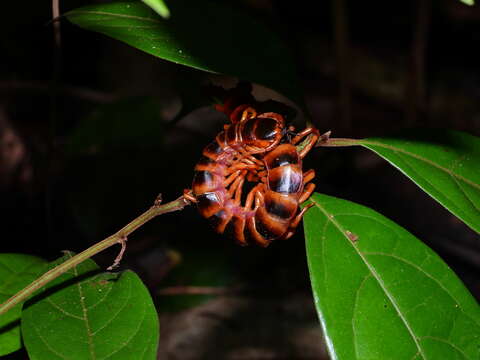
[[258, 149]]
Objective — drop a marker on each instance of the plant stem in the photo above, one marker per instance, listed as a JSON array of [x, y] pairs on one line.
[[119, 236], [338, 142]]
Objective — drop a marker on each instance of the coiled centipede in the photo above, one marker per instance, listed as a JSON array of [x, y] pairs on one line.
[[256, 148]]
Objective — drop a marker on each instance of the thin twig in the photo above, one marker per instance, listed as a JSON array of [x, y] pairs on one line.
[[337, 142], [56, 24], [52, 274]]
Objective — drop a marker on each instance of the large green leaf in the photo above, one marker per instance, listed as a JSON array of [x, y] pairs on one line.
[[16, 272], [206, 36], [381, 293], [445, 164], [85, 314]]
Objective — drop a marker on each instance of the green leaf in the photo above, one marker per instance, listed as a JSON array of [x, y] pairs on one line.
[[381, 293], [468, 2], [159, 6], [85, 314], [208, 36], [445, 164], [16, 272]]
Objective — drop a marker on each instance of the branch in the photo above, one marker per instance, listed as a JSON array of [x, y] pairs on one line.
[[120, 235], [326, 141]]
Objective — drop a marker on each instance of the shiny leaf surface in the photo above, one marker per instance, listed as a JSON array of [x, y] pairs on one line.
[[199, 34], [16, 272], [85, 314], [445, 164], [159, 6], [381, 293]]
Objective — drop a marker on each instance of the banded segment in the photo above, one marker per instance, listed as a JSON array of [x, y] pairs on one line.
[[280, 206], [210, 203], [235, 229], [268, 226], [287, 179], [284, 154], [220, 219], [206, 181]]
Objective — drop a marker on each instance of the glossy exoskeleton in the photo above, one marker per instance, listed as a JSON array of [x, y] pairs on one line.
[[258, 148]]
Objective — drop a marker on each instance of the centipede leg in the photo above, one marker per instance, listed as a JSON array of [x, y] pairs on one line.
[[231, 178], [304, 133], [288, 235], [187, 194], [239, 180], [251, 197], [254, 160], [307, 192], [254, 150], [311, 143], [308, 176], [259, 200], [296, 220], [238, 191], [240, 166], [252, 177]]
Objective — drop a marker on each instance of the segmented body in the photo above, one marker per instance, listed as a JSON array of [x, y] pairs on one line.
[[250, 148], [277, 199], [221, 171]]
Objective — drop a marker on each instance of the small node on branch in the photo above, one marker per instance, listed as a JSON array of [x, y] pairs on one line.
[[158, 200], [123, 242], [324, 138]]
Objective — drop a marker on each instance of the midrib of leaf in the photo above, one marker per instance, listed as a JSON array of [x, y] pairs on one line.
[[331, 218], [125, 16], [85, 315], [421, 158], [436, 281]]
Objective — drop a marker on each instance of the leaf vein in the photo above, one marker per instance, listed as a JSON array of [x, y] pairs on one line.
[[66, 313], [445, 342], [85, 315], [364, 280], [127, 298], [421, 158], [135, 333], [427, 275], [377, 278], [125, 16], [49, 347]]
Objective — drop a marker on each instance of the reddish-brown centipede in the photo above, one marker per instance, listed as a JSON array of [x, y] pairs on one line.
[[250, 149]]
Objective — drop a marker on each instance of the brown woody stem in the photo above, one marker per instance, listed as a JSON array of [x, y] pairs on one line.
[[52, 274]]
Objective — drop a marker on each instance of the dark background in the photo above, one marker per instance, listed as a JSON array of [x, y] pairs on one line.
[[77, 166]]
